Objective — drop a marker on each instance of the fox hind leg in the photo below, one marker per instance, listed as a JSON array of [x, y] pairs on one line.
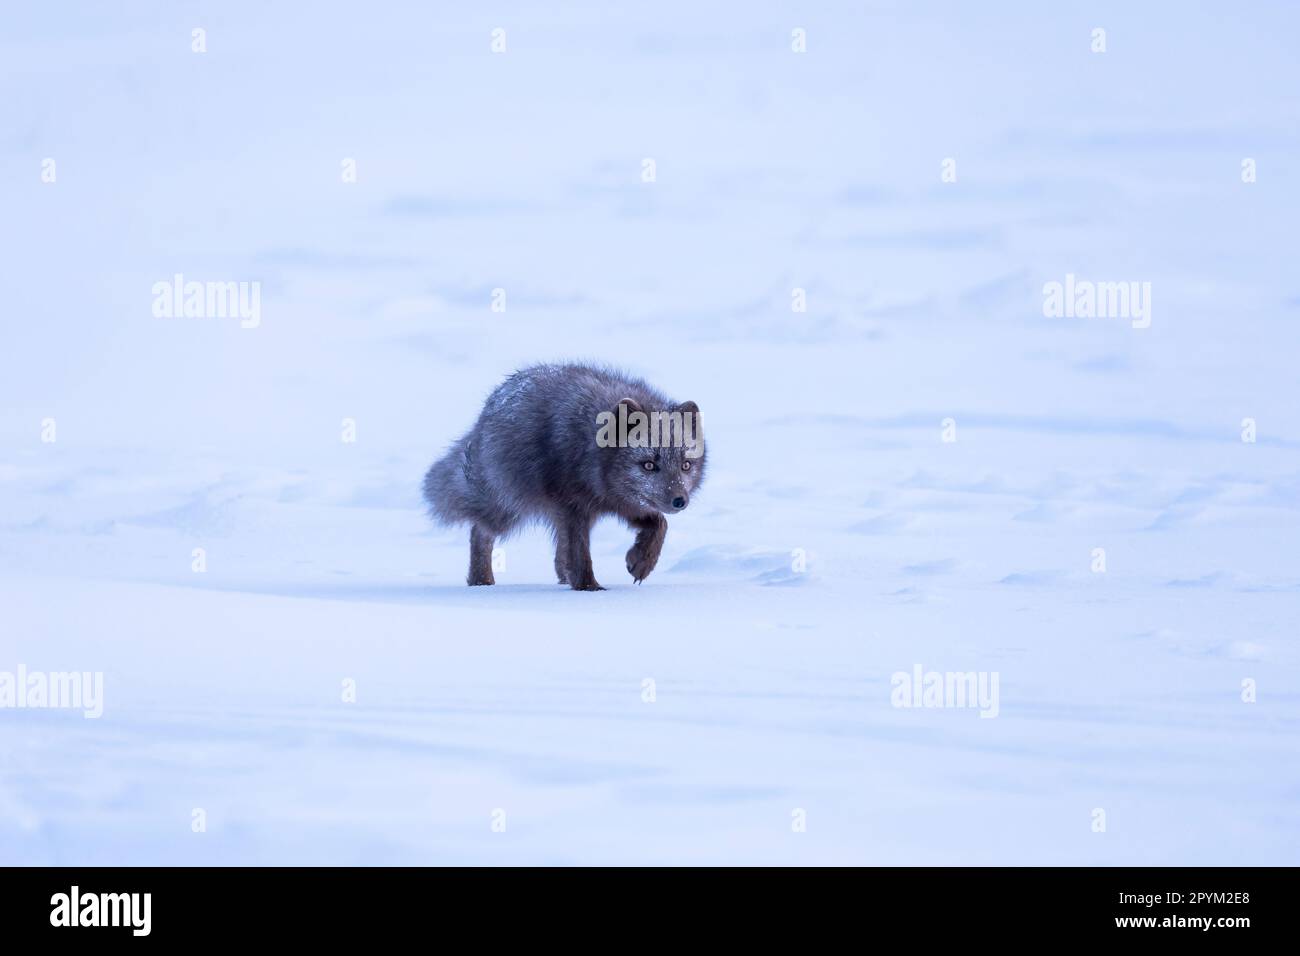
[[480, 556], [560, 532]]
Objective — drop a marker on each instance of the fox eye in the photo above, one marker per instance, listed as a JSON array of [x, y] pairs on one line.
[[649, 466], [686, 466]]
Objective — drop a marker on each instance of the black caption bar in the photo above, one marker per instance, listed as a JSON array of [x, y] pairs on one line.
[[337, 906]]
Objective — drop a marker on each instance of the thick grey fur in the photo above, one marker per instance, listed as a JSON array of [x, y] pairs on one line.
[[532, 455]]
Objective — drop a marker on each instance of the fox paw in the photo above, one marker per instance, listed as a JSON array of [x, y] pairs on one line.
[[641, 561]]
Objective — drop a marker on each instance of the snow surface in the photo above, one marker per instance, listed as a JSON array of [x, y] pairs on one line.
[[1119, 691]]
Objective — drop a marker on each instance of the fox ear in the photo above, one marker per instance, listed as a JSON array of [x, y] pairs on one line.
[[632, 404], [688, 408]]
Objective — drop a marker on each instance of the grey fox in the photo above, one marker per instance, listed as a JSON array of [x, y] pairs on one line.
[[538, 452]]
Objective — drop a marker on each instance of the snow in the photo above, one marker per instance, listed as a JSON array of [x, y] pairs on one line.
[[838, 539]]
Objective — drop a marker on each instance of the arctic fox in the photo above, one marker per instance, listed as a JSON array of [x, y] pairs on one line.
[[552, 444]]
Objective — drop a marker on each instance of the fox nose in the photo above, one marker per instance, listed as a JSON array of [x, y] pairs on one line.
[[679, 503]]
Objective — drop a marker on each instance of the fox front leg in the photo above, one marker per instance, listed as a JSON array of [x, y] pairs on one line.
[[578, 553], [644, 553]]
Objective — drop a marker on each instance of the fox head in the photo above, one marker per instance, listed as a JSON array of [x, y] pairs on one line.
[[657, 456]]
